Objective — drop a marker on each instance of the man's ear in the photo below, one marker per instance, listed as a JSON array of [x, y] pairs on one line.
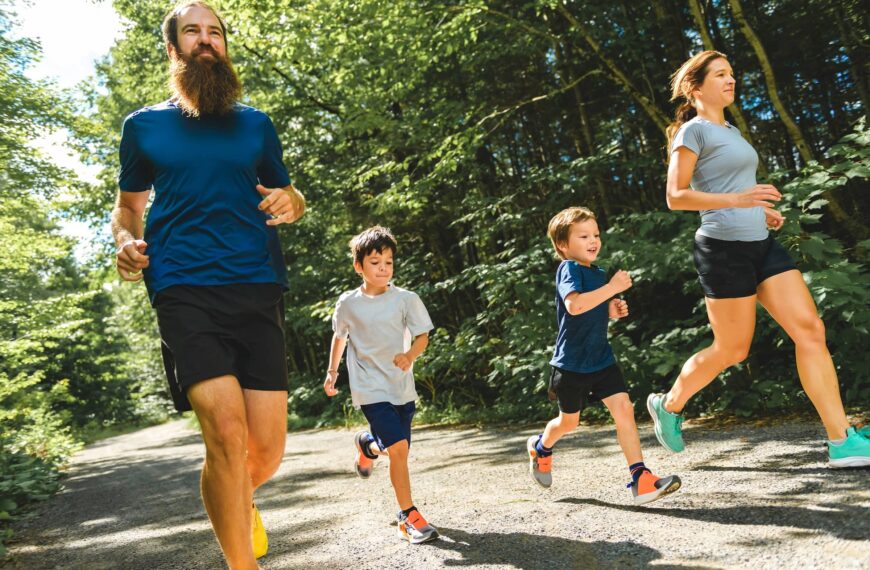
[[170, 50]]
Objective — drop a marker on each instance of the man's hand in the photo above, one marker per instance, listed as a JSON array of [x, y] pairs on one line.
[[130, 259], [329, 383], [403, 362], [286, 205], [617, 309]]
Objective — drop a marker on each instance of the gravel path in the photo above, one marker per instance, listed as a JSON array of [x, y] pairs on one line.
[[752, 497]]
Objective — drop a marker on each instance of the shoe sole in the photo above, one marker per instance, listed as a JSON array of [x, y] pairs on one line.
[[656, 425], [428, 538], [531, 452], [650, 497], [847, 462], [356, 457]]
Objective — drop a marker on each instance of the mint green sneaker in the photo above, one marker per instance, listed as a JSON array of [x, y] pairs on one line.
[[668, 426], [865, 431], [854, 452]]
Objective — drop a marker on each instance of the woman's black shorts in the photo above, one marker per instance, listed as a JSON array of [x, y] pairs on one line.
[[220, 330], [731, 269], [574, 390]]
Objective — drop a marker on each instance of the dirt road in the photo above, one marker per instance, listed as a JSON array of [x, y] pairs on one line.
[[753, 497]]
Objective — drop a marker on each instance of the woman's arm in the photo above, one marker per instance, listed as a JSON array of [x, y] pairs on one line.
[[681, 197]]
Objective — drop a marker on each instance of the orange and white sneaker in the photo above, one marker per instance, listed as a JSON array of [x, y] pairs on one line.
[[414, 528], [649, 488], [363, 464], [539, 467]]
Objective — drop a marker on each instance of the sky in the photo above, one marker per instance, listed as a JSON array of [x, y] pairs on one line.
[[73, 34]]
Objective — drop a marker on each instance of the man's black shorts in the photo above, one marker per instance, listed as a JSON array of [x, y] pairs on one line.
[[219, 330], [732, 269], [575, 390]]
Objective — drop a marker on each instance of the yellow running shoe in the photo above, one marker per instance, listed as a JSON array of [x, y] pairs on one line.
[[258, 534]]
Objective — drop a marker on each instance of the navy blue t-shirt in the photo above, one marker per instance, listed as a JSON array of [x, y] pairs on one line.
[[204, 227], [581, 344]]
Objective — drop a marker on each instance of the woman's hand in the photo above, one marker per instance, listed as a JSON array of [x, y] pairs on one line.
[[774, 219], [763, 195]]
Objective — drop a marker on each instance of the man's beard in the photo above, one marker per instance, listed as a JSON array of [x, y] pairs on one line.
[[204, 87]]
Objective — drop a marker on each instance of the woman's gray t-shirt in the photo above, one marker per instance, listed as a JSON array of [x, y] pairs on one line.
[[378, 328], [726, 164]]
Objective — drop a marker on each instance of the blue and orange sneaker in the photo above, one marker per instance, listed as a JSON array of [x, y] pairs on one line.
[[414, 528], [363, 462], [649, 488], [540, 468]]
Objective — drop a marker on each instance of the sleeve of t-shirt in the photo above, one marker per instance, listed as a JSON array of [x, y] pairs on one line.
[[339, 321], [271, 171], [137, 174], [416, 316], [569, 280], [688, 136]]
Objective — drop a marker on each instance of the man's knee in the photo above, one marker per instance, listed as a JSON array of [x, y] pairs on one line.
[[225, 438]]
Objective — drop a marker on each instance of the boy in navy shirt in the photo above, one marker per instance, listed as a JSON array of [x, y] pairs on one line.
[[584, 369]]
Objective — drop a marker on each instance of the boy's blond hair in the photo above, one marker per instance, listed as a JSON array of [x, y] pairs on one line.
[[560, 226]]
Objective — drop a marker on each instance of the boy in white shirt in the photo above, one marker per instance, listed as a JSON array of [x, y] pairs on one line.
[[385, 328]]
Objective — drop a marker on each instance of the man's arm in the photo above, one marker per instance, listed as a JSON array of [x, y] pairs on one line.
[[286, 204], [128, 228]]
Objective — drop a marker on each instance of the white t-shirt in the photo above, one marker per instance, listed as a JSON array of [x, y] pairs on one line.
[[378, 328]]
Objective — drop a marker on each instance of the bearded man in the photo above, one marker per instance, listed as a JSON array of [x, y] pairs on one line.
[[212, 265]]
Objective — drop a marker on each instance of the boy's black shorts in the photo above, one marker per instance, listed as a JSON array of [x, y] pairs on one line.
[[575, 390], [732, 269], [219, 330]]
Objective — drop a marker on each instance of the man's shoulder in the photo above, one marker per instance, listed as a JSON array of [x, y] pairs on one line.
[[250, 112], [162, 107]]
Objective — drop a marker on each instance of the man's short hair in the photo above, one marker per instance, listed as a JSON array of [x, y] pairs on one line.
[[560, 226], [170, 22], [375, 238]]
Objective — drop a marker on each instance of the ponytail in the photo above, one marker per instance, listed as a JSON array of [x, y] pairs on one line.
[[684, 113], [686, 79]]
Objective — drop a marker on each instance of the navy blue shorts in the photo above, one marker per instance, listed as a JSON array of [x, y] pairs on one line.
[[389, 423], [733, 269]]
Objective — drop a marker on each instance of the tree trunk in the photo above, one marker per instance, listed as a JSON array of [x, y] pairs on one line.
[[735, 110], [655, 114], [855, 62], [791, 126]]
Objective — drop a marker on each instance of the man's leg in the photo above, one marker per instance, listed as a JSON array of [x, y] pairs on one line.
[[267, 431], [226, 484]]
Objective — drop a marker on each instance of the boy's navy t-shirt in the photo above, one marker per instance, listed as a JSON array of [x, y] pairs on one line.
[[204, 227], [581, 344]]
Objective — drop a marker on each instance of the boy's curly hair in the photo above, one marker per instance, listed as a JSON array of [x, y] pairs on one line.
[[560, 226], [375, 238]]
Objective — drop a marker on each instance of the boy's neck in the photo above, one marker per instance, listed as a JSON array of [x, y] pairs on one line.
[[583, 263], [373, 290]]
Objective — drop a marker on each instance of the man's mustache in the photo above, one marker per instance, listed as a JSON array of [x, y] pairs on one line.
[[205, 49]]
